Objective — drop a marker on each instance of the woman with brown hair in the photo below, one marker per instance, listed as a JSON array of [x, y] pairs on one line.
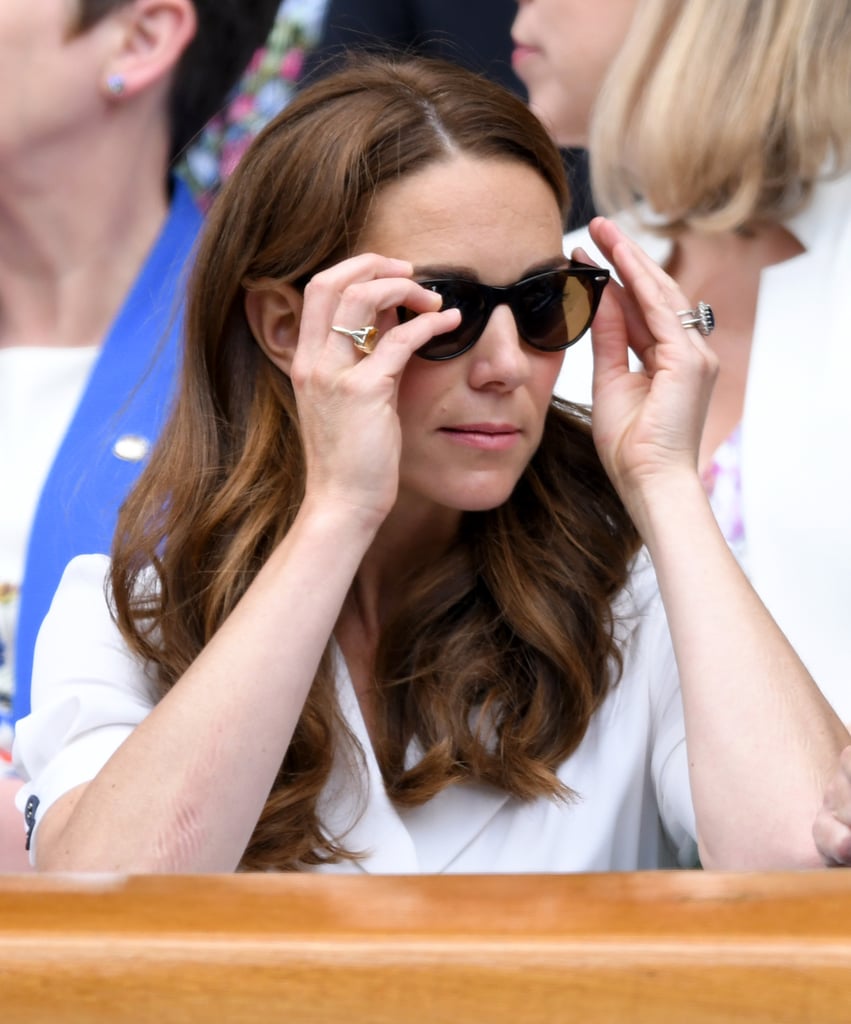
[[374, 603]]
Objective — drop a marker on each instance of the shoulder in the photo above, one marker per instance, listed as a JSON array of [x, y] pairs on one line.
[[89, 692], [79, 642]]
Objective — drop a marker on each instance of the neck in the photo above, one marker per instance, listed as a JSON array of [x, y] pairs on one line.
[[73, 241], [725, 270], [727, 266], [405, 543]]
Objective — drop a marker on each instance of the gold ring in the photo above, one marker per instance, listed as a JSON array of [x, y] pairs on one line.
[[364, 338]]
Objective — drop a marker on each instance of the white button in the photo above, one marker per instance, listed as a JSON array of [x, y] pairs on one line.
[[131, 448]]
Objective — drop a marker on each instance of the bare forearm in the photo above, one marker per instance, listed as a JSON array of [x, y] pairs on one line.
[[761, 738], [184, 792]]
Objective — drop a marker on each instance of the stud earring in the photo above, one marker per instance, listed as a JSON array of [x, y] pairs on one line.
[[115, 85]]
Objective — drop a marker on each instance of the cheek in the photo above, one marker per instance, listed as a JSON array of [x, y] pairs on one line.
[[422, 388], [547, 369]]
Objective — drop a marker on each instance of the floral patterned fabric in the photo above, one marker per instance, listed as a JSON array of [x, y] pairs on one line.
[[722, 480], [265, 89]]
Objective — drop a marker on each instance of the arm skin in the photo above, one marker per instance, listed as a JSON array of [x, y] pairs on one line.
[[761, 738], [200, 801]]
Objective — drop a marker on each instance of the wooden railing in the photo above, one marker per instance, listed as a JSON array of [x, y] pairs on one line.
[[644, 948]]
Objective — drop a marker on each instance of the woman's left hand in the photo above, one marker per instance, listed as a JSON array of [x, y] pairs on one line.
[[647, 424]]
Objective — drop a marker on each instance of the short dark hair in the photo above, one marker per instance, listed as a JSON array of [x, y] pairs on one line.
[[229, 32]]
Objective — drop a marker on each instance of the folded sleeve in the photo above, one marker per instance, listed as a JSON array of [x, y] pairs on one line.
[[88, 693], [656, 663], [669, 758]]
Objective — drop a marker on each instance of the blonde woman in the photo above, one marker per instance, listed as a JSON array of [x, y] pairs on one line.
[[721, 132]]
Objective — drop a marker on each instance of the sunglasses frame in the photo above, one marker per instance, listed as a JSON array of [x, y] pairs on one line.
[[500, 295]]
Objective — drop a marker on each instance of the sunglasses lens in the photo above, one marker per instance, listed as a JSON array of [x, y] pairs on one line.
[[578, 302], [554, 310], [463, 295]]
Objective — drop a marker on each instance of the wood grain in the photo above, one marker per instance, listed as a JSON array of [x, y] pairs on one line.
[[642, 948]]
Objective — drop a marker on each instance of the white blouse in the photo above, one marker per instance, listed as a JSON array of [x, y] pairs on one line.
[[633, 807]]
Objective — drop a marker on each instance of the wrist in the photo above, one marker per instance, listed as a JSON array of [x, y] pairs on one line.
[[659, 502], [339, 521]]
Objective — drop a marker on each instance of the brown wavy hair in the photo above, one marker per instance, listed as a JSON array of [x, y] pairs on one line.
[[503, 649]]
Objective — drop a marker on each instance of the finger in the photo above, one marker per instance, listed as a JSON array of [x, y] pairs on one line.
[[832, 838], [658, 289], [608, 343], [837, 795], [376, 303], [324, 291], [658, 301], [362, 305], [640, 339], [607, 234], [396, 347]]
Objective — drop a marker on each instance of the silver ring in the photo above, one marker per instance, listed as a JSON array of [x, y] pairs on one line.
[[363, 338], [702, 318]]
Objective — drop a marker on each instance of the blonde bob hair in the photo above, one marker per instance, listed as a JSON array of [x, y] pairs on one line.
[[724, 113]]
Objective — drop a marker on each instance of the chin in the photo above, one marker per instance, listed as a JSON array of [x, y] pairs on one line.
[[482, 500]]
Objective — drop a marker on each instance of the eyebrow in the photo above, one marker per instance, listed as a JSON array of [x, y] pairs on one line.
[[441, 271]]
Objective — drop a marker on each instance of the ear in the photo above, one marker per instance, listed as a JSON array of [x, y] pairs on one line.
[[149, 38], [273, 311]]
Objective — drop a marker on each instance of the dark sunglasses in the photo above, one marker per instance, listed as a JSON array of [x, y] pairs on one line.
[[552, 309]]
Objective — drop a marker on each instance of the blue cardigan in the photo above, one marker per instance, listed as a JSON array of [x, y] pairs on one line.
[[126, 397]]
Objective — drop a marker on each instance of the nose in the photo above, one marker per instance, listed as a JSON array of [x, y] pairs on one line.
[[499, 358]]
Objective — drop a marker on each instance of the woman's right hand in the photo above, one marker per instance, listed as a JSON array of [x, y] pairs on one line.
[[346, 399]]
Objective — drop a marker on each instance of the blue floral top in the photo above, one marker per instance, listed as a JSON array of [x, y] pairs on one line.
[[265, 89], [722, 480]]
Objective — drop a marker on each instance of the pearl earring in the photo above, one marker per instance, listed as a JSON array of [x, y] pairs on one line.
[[115, 85]]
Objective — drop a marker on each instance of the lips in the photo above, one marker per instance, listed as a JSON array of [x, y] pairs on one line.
[[521, 53], [485, 436], [485, 428]]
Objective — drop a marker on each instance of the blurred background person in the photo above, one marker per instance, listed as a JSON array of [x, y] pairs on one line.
[[94, 234], [472, 33], [263, 91], [721, 132]]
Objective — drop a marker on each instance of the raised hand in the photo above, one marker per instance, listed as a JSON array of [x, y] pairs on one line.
[[646, 423], [346, 399]]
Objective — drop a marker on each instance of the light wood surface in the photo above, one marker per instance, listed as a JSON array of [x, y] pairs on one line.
[[689, 947]]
